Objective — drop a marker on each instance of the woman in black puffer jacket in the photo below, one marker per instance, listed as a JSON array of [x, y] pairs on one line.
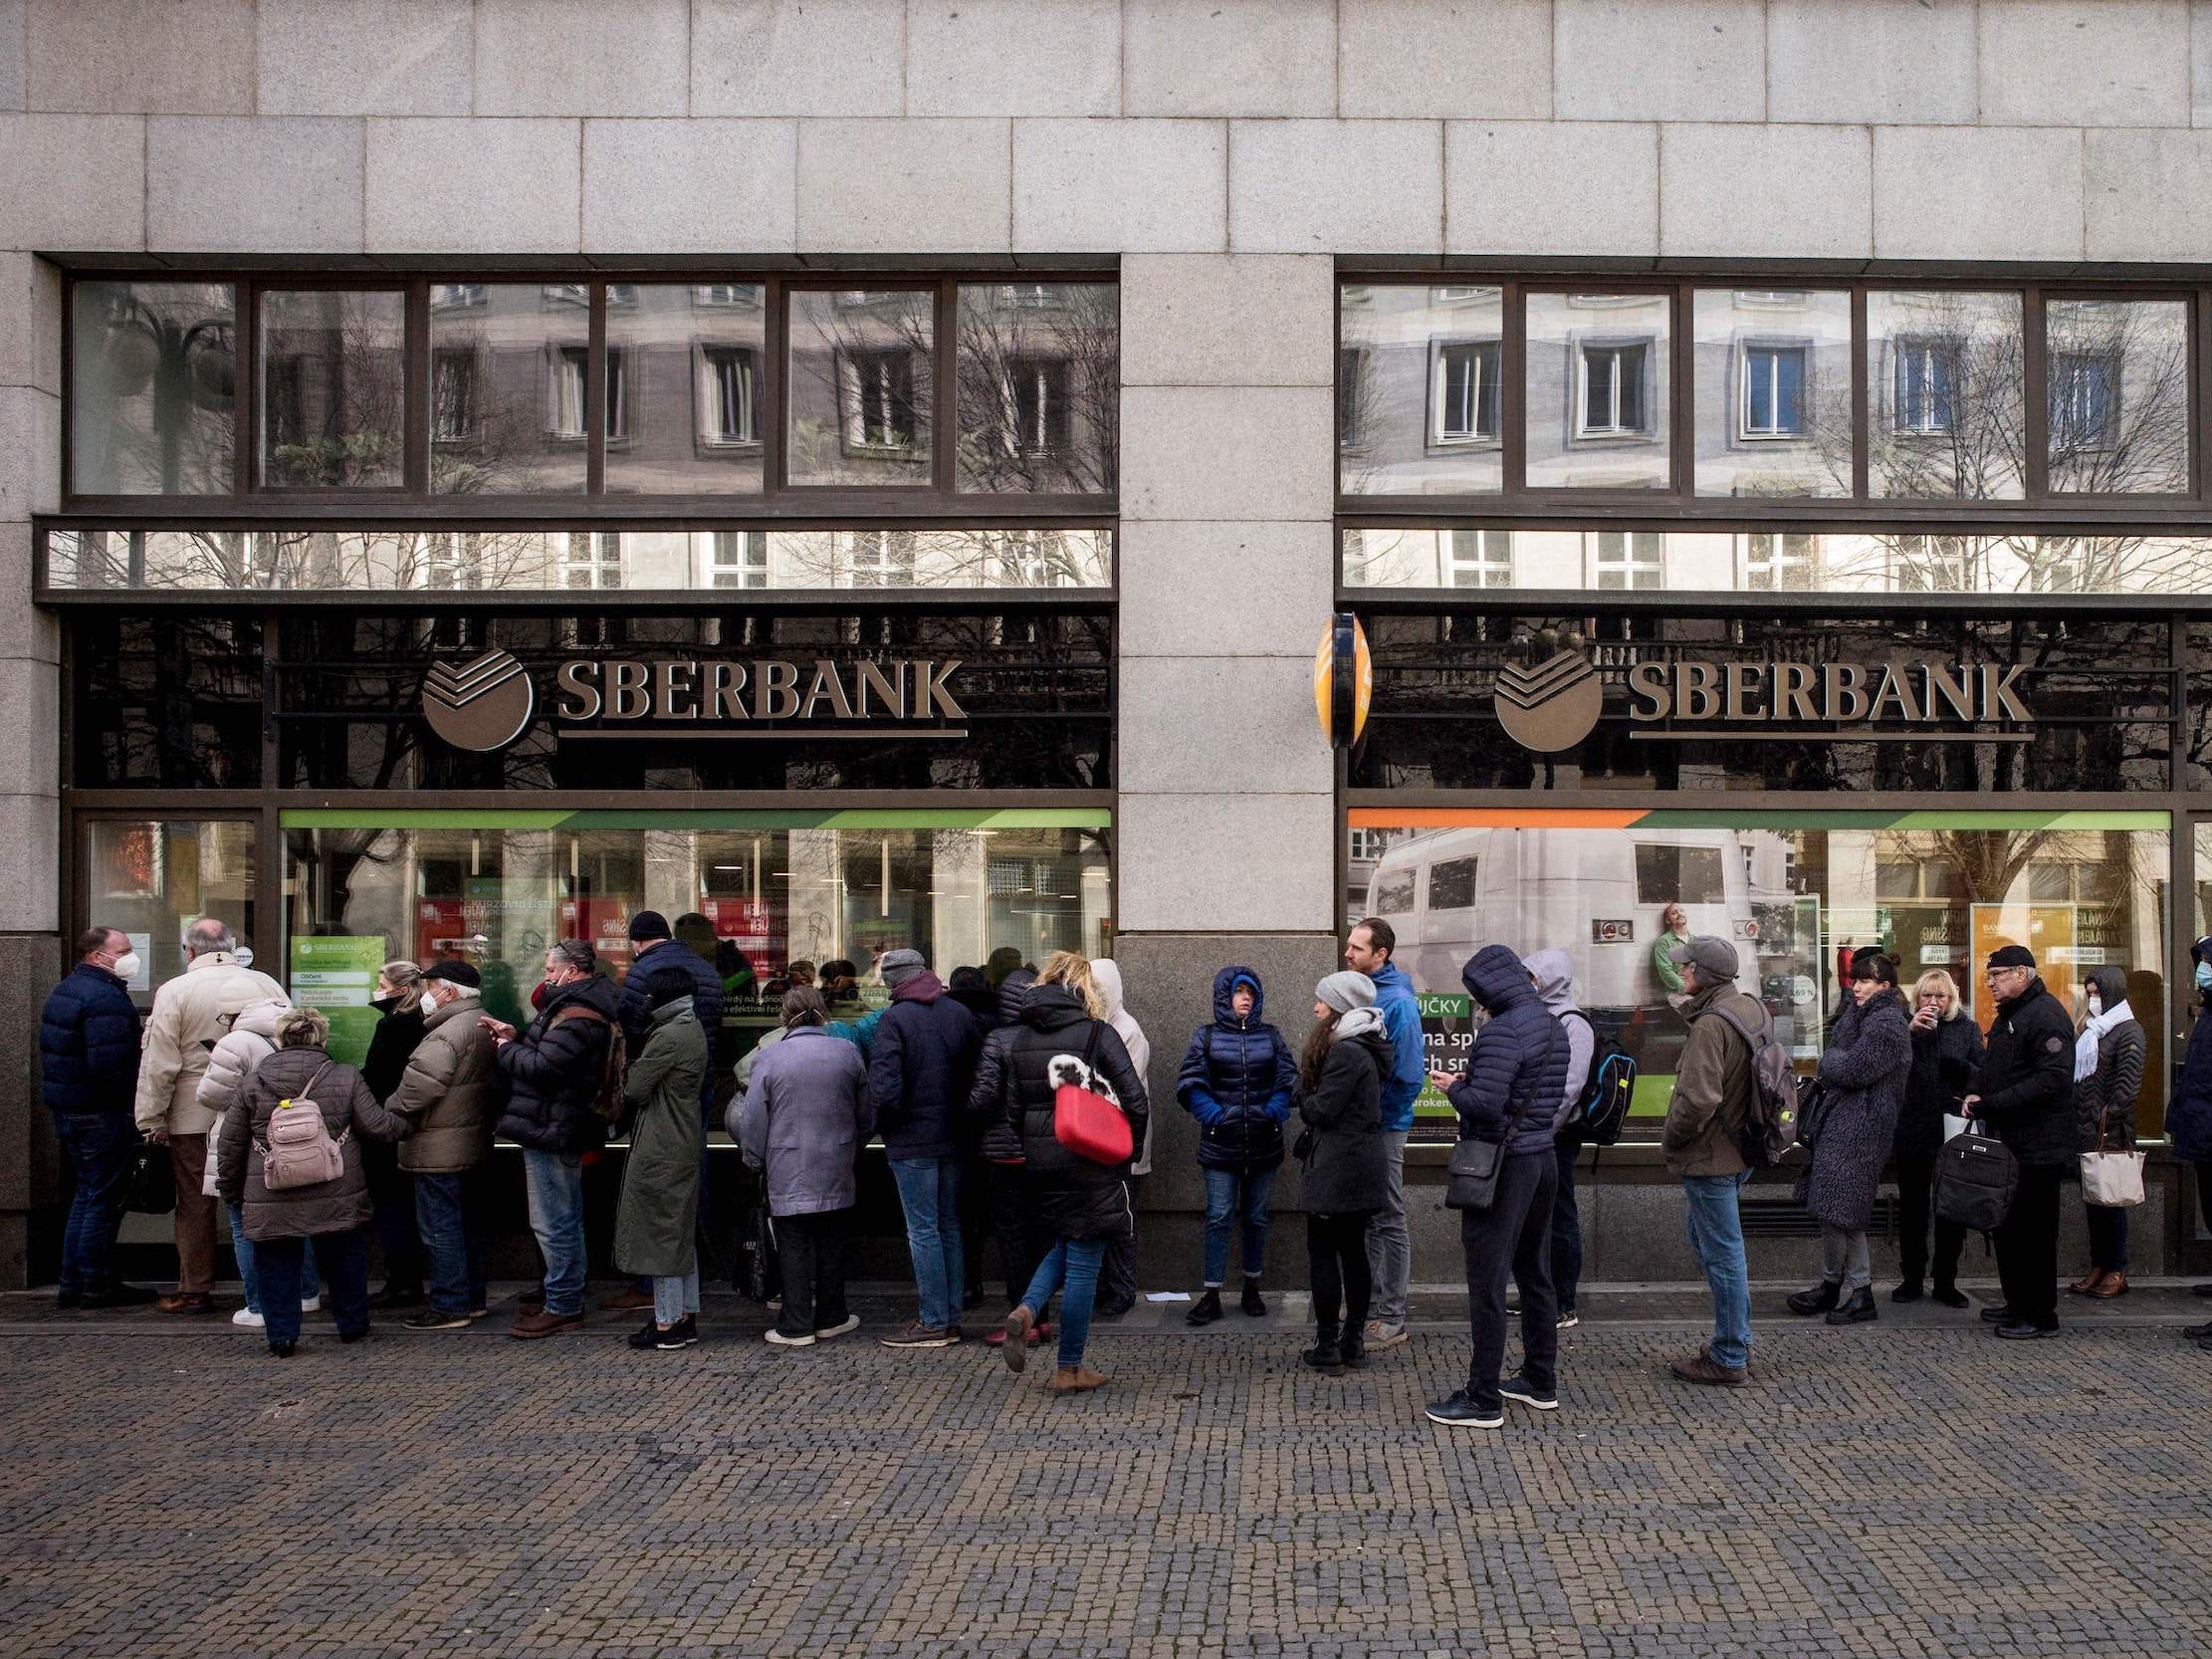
[[1340, 1095], [1013, 1220], [2108, 1076], [1080, 1203], [1946, 1050]]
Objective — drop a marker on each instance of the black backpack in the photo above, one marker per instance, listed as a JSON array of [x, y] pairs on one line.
[[1976, 1176], [1596, 1117], [1769, 1128]]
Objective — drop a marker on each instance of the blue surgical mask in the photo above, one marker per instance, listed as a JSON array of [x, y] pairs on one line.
[[2204, 976]]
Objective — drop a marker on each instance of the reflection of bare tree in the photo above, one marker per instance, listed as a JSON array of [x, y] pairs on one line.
[[1948, 399], [332, 389], [2118, 374], [861, 390], [1039, 372]]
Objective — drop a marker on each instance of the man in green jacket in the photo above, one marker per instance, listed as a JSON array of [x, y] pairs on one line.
[[1673, 930], [1712, 1097]]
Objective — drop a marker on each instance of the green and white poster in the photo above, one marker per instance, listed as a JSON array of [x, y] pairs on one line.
[[336, 978]]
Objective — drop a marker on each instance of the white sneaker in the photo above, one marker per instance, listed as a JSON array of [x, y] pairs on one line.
[[311, 1305], [247, 1318], [1381, 1335], [783, 1342], [1569, 1320], [851, 1322]]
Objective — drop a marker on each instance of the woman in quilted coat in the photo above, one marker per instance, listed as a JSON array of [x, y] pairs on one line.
[[1238, 1079], [2108, 1076], [1869, 1058]]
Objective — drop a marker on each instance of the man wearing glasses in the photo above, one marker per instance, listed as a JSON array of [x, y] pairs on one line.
[[2024, 1092]]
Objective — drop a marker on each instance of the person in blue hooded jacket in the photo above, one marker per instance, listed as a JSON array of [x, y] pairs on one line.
[[1372, 949], [88, 1077], [1509, 1094], [1238, 1079]]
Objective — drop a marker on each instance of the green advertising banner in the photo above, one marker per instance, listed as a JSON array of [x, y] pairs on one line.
[[336, 978], [1446, 1035]]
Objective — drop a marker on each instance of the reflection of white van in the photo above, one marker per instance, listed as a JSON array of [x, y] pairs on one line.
[[1597, 894]]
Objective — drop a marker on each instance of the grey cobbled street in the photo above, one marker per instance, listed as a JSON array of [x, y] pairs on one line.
[[1907, 1488]]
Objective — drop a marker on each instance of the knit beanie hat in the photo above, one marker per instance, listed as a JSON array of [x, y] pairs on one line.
[[899, 966], [1345, 991]]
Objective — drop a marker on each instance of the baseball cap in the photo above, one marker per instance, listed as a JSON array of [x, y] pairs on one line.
[[1707, 951]]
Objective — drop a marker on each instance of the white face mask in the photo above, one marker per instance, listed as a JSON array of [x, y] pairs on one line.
[[2097, 1006], [126, 966], [428, 1003]]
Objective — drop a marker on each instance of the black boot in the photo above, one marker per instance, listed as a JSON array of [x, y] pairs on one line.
[[1352, 1348], [1208, 1310], [1858, 1309], [1254, 1306], [1949, 1294], [1910, 1290], [1808, 1303], [1324, 1355]]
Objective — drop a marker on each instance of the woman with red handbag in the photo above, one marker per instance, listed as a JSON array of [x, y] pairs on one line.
[[1063, 1082]]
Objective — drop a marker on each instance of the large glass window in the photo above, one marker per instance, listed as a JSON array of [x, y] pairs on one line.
[[693, 373], [155, 877], [859, 385], [510, 365], [2086, 890], [766, 900], [1773, 392], [166, 701], [154, 378], [1039, 377], [1946, 381], [1598, 392], [332, 389], [1420, 395], [2117, 375]]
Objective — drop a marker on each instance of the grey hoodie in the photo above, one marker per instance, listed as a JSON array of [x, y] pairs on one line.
[[1555, 984]]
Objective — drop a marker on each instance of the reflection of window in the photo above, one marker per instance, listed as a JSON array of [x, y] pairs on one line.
[[1466, 392], [725, 294], [1034, 559], [730, 408], [1781, 562], [1394, 893], [594, 560], [878, 398], [452, 296], [451, 562], [1351, 365], [453, 405], [2085, 397], [881, 558], [1931, 564], [1368, 845], [564, 396], [740, 559], [568, 294], [1029, 295], [1926, 382], [1039, 404], [1611, 400], [1451, 884], [1770, 299], [1678, 874], [1631, 559], [1773, 403], [618, 394], [1481, 559]]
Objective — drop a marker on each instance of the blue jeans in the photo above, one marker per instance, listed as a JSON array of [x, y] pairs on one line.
[[345, 1267], [553, 1184], [2107, 1238], [674, 1296], [929, 1192], [249, 1266], [1232, 1194], [448, 1212], [102, 1147], [1075, 1263], [1717, 1235]]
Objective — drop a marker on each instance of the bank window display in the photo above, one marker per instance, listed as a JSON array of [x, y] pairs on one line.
[[1773, 393], [155, 365], [1947, 394], [1937, 890], [2118, 377], [332, 389], [1038, 373], [1598, 390], [1419, 405], [154, 878], [770, 898]]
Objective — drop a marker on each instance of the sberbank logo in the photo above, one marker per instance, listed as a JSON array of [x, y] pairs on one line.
[[1552, 706], [481, 705]]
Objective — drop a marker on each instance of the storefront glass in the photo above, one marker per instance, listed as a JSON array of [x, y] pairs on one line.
[[1420, 389], [861, 386], [155, 877], [508, 365], [687, 381], [1599, 390], [1038, 367], [156, 368], [1794, 891], [332, 389]]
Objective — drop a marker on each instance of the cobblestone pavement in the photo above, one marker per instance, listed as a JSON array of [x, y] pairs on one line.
[[1907, 1488]]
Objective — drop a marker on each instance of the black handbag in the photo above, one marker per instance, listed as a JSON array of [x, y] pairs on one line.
[[153, 1183], [1812, 1112], [1472, 1173]]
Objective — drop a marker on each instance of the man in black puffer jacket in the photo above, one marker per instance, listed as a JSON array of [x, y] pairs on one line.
[[554, 1069], [1513, 1082], [2024, 1093], [920, 1070]]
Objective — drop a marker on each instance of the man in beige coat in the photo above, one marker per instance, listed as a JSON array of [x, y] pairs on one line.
[[190, 1013], [445, 1096]]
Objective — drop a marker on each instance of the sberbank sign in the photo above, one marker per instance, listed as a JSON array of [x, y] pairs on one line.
[[1830, 693], [769, 691]]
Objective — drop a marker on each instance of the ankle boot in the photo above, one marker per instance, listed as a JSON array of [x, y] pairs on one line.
[[1075, 1379], [1910, 1290], [2087, 1285], [2110, 1286], [1949, 1294], [1255, 1306], [1858, 1311], [1819, 1299], [1324, 1355], [1208, 1310], [1352, 1348]]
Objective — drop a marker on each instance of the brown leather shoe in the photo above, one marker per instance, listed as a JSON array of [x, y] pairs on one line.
[[1702, 1367], [541, 1323], [2087, 1285], [2110, 1286], [1075, 1379], [628, 1300], [187, 1302]]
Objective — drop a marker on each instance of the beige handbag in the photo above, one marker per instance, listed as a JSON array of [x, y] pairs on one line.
[[2113, 1180]]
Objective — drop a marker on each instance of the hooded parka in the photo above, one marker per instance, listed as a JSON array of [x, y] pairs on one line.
[[1075, 1198], [350, 1112], [1238, 1079], [2190, 1113], [2105, 1100], [1520, 1059], [655, 1224]]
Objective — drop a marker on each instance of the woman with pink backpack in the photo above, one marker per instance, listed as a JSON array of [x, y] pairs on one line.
[[290, 1154]]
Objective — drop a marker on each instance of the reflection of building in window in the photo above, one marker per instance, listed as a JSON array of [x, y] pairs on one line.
[[1667, 875], [879, 558], [594, 560], [453, 394], [1612, 387], [1480, 559], [1466, 392], [2069, 882], [451, 562], [1786, 563], [1394, 893], [1351, 365], [739, 559], [2084, 399], [1925, 383], [1931, 564], [1773, 401], [621, 294], [1631, 559], [1451, 884], [1029, 295], [710, 294], [1366, 845], [1906, 877], [565, 404], [876, 397], [730, 406], [568, 294], [1033, 559], [453, 296], [1039, 404]]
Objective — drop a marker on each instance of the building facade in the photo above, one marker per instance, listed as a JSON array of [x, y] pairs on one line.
[[869, 472]]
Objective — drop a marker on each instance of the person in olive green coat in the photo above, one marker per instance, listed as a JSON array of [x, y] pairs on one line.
[[655, 1227]]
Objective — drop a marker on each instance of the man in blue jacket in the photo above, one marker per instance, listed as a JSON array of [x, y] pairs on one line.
[[1390, 1256], [920, 1068], [88, 1077]]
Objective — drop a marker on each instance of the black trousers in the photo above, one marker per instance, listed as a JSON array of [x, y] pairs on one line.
[[1566, 1228], [1117, 1272], [975, 1221], [391, 1196], [1915, 1189], [1512, 1240], [1336, 1260], [1022, 1246], [812, 1250], [2028, 1248]]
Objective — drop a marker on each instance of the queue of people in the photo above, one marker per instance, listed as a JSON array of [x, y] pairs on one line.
[[969, 1085]]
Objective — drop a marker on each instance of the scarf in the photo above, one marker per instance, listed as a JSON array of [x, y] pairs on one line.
[[1355, 1022], [2084, 1045]]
